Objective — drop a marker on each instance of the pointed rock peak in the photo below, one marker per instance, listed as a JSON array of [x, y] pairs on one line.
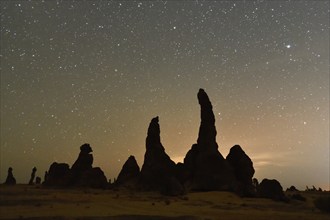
[[154, 127], [10, 180], [131, 162], [236, 149], [153, 138], [131, 157], [129, 173], [207, 130]]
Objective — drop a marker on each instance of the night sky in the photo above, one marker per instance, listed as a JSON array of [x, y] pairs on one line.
[[97, 72]]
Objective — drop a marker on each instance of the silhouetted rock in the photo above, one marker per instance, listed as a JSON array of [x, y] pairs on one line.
[[158, 169], [33, 174], [255, 183], [94, 178], [10, 180], [129, 174], [271, 189], [172, 187], [292, 189], [81, 173], [243, 169], [84, 161], [45, 177], [208, 170], [38, 180], [207, 131], [182, 173], [58, 175]]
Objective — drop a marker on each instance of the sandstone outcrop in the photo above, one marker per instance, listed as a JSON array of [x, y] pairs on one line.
[[58, 175], [129, 174], [10, 180], [158, 170], [38, 180], [243, 170], [33, 174], [81, 174], [271, 189], [208, 170], [93, 178], [84, 161]]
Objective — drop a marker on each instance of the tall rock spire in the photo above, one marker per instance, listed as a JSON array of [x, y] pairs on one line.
[[158, 170], [207, 130], [207, 168], [10, 180], [153, 139]]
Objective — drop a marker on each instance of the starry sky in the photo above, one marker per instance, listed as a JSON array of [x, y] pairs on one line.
[[96, 72]]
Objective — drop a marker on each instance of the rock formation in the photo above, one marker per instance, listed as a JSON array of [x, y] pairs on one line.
[[271, 189], [81, 173], [243, 169], [45, 177], [58, 175], [129, 174], [84, 161], [94, 178], [292, 189], [10, 180], [33, 174], [38, 180], [207, 167], [158, 170]]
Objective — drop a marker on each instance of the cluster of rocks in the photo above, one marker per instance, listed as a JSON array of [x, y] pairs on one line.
[[10, 179], [81, 174], [204, 168]]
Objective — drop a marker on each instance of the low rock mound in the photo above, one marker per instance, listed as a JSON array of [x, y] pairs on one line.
[[271, 189]]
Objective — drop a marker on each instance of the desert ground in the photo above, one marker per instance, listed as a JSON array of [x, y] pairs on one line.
[[36, 202]]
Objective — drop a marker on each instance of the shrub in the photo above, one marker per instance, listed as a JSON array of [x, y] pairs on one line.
[[323, 203]]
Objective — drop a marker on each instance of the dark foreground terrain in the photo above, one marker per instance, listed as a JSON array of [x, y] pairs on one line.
[[32, 202]]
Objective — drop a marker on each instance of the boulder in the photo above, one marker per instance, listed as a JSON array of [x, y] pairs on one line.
[[10, 180], [243, 169], [271, 189], [208, 170], [58, 175], [93, 178]]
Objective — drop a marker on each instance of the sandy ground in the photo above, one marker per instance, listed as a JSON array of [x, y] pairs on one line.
[[32, 202]]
